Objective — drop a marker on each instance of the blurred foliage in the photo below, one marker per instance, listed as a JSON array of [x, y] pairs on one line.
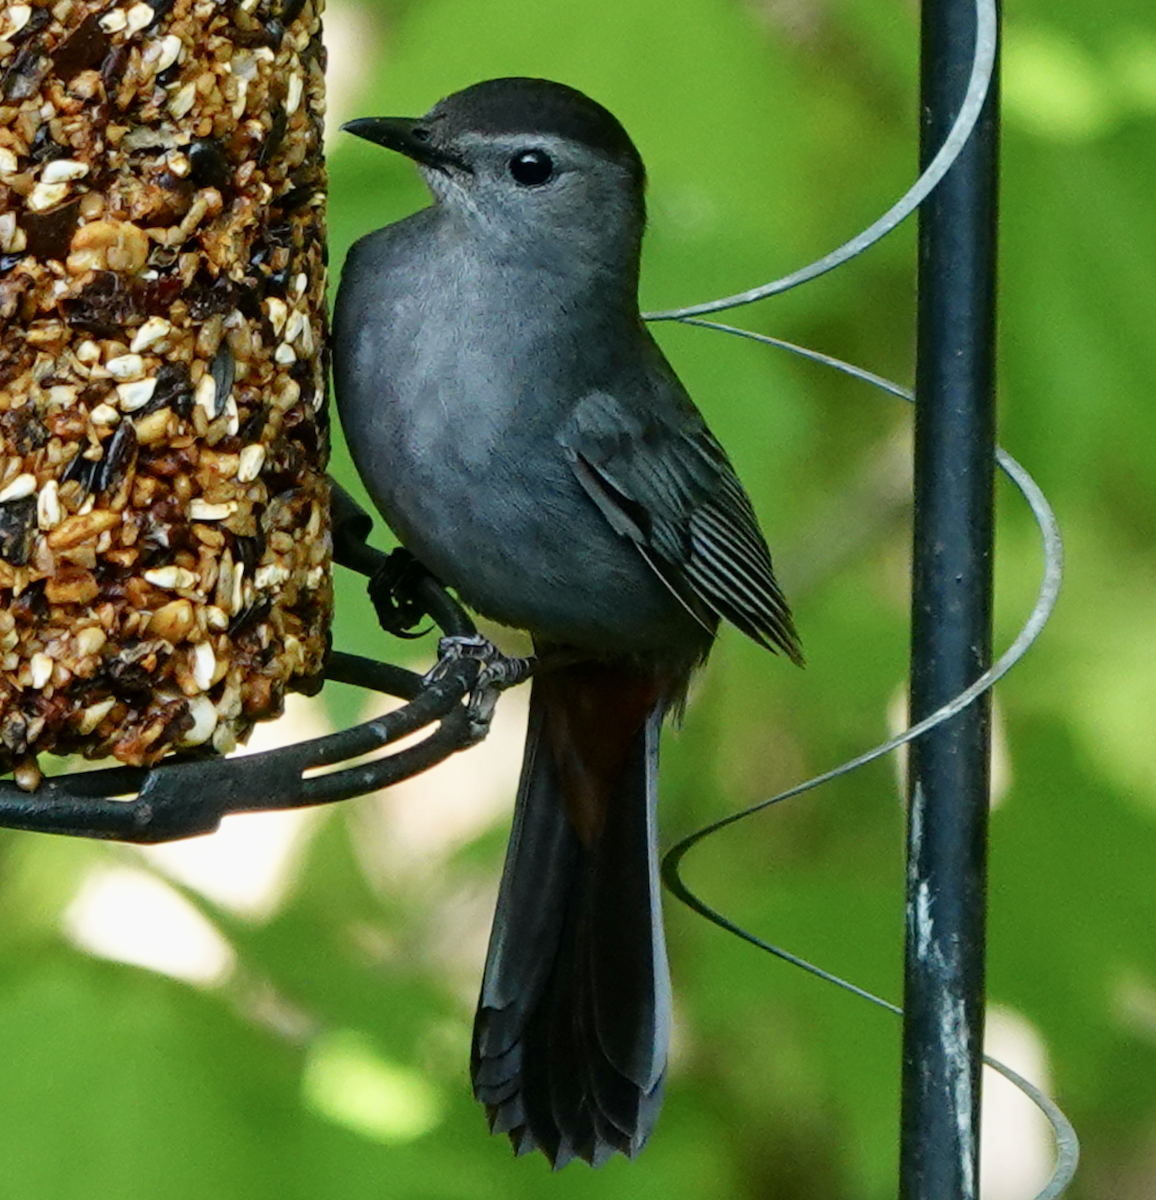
[[332, 1063]]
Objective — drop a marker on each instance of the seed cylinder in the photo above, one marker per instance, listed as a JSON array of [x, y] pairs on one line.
[[164, 539]]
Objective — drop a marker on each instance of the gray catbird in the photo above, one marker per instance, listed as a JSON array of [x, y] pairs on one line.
[[525, 438]]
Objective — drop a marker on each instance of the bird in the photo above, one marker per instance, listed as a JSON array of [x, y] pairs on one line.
[[524, 437]]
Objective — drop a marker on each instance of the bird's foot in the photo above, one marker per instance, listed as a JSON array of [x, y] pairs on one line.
[[498, 672], [392, 589]]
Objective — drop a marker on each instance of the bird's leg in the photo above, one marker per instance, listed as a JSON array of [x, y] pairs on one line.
[[393, 591], [497, 672]]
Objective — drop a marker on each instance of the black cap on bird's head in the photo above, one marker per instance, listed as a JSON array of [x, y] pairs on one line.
[[522, 105], [515, 105]]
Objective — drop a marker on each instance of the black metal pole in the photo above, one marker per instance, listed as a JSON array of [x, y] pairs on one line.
[[951, 631]]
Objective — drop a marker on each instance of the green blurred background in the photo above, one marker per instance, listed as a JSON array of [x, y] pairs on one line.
[[300, 1024]]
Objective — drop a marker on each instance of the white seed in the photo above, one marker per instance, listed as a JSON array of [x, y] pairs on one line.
[[113, 22], [40, 668], [315, 578], [300, 284], [126, 366], [46, 195], [293, 650], [277, 311], [225, 581], [8, 162], [239, 103], [171, 577], [285, 355], [204, 714], [296, 323], [269, 576], [229, 705], [95, 714], [216, 618], [204, 664], [252, 460], [62, 394], [151, 332], [136, 394], [26, 775], [180, 104], [237, 599], [171, 47], [90, 640], [88, 352], [8, 231], [18, 16], [61, 170], [139, 16], [224, 739], [293, 93], [179, 165], [202, 510], [206, 395], [153, 427], [20, 487], [288, 395], [48, 514], [243, 64], [233, 423], [104, 414]]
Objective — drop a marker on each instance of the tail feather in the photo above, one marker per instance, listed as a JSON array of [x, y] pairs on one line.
[[573, 1021]]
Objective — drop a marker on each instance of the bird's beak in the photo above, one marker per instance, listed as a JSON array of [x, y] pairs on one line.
[[410, 136]]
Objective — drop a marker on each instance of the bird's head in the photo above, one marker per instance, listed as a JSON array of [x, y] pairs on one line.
[[527, 161]]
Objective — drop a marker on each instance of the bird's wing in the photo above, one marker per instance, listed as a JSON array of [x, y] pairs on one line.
[[671, 490]]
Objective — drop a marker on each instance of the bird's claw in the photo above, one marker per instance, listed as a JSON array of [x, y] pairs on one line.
[[497, 672], [391, 589]]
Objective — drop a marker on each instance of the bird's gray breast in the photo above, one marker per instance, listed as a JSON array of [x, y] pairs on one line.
[[455, 378]]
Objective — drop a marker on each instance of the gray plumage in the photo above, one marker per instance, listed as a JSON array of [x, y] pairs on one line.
[[527, 441]]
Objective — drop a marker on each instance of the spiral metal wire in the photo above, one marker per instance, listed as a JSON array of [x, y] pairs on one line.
[[979, 83]]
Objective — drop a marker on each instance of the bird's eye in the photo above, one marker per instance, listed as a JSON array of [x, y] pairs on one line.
[[531, 168]]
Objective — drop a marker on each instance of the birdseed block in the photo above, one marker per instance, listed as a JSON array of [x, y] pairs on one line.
[[164, 538]]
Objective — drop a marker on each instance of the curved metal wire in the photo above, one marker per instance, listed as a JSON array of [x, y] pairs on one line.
[[1067, 1142], [1067, 1154], [182, 797], [1066, 1138], [983, 63]]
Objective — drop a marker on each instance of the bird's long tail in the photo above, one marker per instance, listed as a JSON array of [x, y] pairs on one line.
[[573, 1022]]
